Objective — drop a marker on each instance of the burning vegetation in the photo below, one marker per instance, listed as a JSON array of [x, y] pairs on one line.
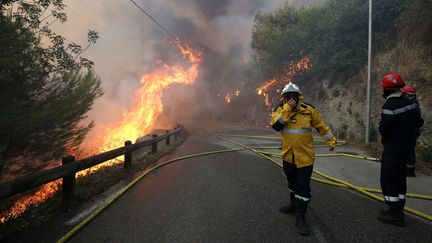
[[229, 96], [136, 122], [273, 85]]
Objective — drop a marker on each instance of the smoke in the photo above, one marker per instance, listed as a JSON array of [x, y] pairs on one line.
[[131, 45]]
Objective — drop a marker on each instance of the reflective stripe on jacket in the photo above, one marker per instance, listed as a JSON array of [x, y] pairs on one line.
[[295, 128], [399, 125]]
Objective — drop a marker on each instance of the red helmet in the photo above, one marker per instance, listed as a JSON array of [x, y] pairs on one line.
[[409, 89], [392, 81]]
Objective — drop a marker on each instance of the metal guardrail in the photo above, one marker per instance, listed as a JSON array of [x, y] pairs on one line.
[[70, 167]]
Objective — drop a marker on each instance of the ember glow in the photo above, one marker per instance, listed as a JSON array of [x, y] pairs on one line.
[[20, 206], [290, 72], [136, 122], [229, 96], [263, 90]]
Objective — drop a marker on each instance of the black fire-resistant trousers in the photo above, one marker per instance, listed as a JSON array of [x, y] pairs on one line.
[[298, 180], [411, 157], [393, 178]]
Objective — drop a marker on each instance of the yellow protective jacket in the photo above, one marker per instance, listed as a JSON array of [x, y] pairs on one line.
[[295, 128]]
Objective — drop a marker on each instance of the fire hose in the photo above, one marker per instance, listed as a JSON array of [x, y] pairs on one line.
[[356, 188], [340, 142], [331, 181], [412, 195]]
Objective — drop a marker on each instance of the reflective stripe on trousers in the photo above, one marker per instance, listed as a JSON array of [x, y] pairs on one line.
[[394, 199]]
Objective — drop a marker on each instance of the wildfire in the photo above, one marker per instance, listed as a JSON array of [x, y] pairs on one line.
[[296, 68], [147, 105], [290, 72], [263, 90], [135, 122], [20, 206], [229, 96]]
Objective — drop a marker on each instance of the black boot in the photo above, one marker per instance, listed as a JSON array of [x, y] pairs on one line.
[[387, 210], [290, 209], [300, 211], [394, 215]]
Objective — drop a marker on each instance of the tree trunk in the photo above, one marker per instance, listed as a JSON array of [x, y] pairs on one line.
[[3, 156], [2, 162]]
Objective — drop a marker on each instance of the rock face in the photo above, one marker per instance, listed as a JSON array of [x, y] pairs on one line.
[[344, 108]]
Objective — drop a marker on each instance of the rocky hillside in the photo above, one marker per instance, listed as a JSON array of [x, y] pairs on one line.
[[344, 105]]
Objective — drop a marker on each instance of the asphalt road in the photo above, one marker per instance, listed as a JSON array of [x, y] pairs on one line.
[[233, 197]]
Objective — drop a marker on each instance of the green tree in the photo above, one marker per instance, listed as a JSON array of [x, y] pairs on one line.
[[415, 22], [46, 90], [276, 40], [333, 35]]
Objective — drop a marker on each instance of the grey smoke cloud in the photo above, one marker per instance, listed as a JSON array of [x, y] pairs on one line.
[[131, 44]]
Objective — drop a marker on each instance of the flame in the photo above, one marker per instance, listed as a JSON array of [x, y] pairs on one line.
[[296, 68], [20, 206], [228, 98], [147, 105], [289, 73], [135, 122], [263, 90]]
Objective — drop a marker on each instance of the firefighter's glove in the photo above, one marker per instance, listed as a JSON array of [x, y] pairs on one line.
[[332, 143]]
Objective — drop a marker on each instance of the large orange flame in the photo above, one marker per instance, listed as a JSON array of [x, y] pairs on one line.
[[136, 121], [147, 105]]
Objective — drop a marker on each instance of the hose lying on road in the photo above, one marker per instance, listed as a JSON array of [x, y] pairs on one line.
[[412, 195], [364, 192], [123, 190], [413, 211], [339, 142], [147, 171], [418, 196], [330, 155], [333, 181]]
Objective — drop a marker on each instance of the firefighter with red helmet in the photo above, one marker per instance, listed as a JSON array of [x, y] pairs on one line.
[[294, 119], [409, 91], [399, 118]]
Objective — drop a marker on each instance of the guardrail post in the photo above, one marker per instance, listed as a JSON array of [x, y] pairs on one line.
[[127, 156], [68, 183], [154, 145], [167, 141]]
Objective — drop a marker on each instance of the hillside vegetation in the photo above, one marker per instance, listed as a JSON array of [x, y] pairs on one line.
[[334, 36]]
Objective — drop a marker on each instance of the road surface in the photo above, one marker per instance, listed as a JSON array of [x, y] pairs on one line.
[[235, 197]]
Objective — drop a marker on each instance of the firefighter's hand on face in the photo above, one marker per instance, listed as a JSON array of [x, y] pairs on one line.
[[292, 103]]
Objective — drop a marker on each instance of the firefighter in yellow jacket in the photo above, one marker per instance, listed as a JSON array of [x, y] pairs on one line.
[[295, 119]]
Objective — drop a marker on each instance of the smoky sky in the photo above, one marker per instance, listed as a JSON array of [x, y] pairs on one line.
[[131, 45]]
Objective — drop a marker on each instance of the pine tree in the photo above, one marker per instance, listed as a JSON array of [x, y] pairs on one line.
[[46, 91]]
